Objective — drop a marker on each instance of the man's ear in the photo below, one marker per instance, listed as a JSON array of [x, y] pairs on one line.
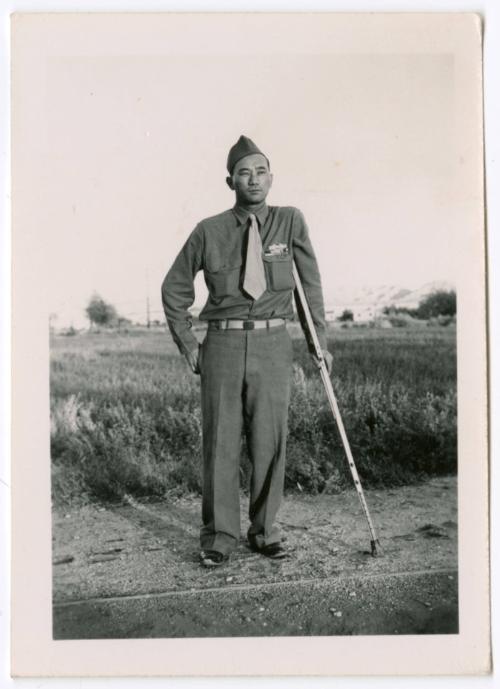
[[229, 182], [271, 176]]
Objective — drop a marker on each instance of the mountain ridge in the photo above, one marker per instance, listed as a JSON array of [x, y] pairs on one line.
[[369, 301]]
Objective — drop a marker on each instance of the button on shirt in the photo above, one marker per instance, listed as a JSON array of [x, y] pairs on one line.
[[217, 246]]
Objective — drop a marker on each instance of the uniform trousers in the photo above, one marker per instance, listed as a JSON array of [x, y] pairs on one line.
[[245, 387]]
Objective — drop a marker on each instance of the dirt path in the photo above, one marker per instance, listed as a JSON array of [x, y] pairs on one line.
[[142, 558]]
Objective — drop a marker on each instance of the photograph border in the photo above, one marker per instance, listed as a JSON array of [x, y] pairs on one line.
[[32, 487]]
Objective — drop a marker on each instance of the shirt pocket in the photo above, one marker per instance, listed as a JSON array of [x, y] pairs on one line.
[[279, 272], [224, 281]]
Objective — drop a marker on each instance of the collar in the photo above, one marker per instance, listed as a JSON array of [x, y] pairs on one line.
[[260, 213]]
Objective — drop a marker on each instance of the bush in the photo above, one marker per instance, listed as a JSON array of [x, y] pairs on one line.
[[394, 437], [399, 321], [106, 451], [442, 321]]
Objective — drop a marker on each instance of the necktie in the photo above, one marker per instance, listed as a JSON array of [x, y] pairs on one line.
[[254, 282]]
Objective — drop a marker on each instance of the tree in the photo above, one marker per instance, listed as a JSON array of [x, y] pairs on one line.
[[99, 312], [346, 315], [439, 303]]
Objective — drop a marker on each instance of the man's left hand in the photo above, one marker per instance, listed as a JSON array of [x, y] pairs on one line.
[[327, 358]]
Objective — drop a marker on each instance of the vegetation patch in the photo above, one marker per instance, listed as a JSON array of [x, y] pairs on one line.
[[125, 414]]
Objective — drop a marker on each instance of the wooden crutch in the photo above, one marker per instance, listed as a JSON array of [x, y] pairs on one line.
[[375, 545]]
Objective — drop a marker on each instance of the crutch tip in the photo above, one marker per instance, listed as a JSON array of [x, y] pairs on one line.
[[376, 549]]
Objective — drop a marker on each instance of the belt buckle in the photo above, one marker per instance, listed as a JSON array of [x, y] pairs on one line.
[[248, 325]]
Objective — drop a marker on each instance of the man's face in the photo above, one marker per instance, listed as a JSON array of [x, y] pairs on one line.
[[251, 179]]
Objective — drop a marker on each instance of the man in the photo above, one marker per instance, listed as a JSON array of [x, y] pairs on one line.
[[245, 361]]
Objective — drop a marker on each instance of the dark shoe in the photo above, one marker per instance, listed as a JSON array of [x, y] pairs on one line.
[[274, 551], [212, 558]]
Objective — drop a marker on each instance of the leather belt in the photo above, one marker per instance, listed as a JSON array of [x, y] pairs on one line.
[[232, 324]]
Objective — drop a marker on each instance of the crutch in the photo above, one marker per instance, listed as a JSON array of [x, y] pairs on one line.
[[375, 545]]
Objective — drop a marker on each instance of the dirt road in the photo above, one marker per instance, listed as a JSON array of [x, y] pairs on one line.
[[131, 570]]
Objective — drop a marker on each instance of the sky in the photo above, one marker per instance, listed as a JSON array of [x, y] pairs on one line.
[[134, 148]]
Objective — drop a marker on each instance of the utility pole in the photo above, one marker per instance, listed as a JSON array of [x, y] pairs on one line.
[[148, 313]]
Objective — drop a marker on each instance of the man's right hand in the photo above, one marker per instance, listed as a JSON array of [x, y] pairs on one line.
[[193, 359], [328, 359]]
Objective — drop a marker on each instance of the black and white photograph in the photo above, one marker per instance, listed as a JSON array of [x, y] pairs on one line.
[[259, 309]]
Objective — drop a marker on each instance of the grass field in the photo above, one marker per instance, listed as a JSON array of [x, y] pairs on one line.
[[125, 413]]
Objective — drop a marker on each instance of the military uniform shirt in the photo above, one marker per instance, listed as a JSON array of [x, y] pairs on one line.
[[217, 246]]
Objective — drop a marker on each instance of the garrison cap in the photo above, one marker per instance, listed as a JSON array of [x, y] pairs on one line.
[[243, 147]]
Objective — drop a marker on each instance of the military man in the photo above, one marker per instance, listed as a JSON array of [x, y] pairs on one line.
[[245, 360]]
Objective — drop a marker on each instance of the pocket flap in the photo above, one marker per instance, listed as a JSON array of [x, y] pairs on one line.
[[277, 258], [218, 265]]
